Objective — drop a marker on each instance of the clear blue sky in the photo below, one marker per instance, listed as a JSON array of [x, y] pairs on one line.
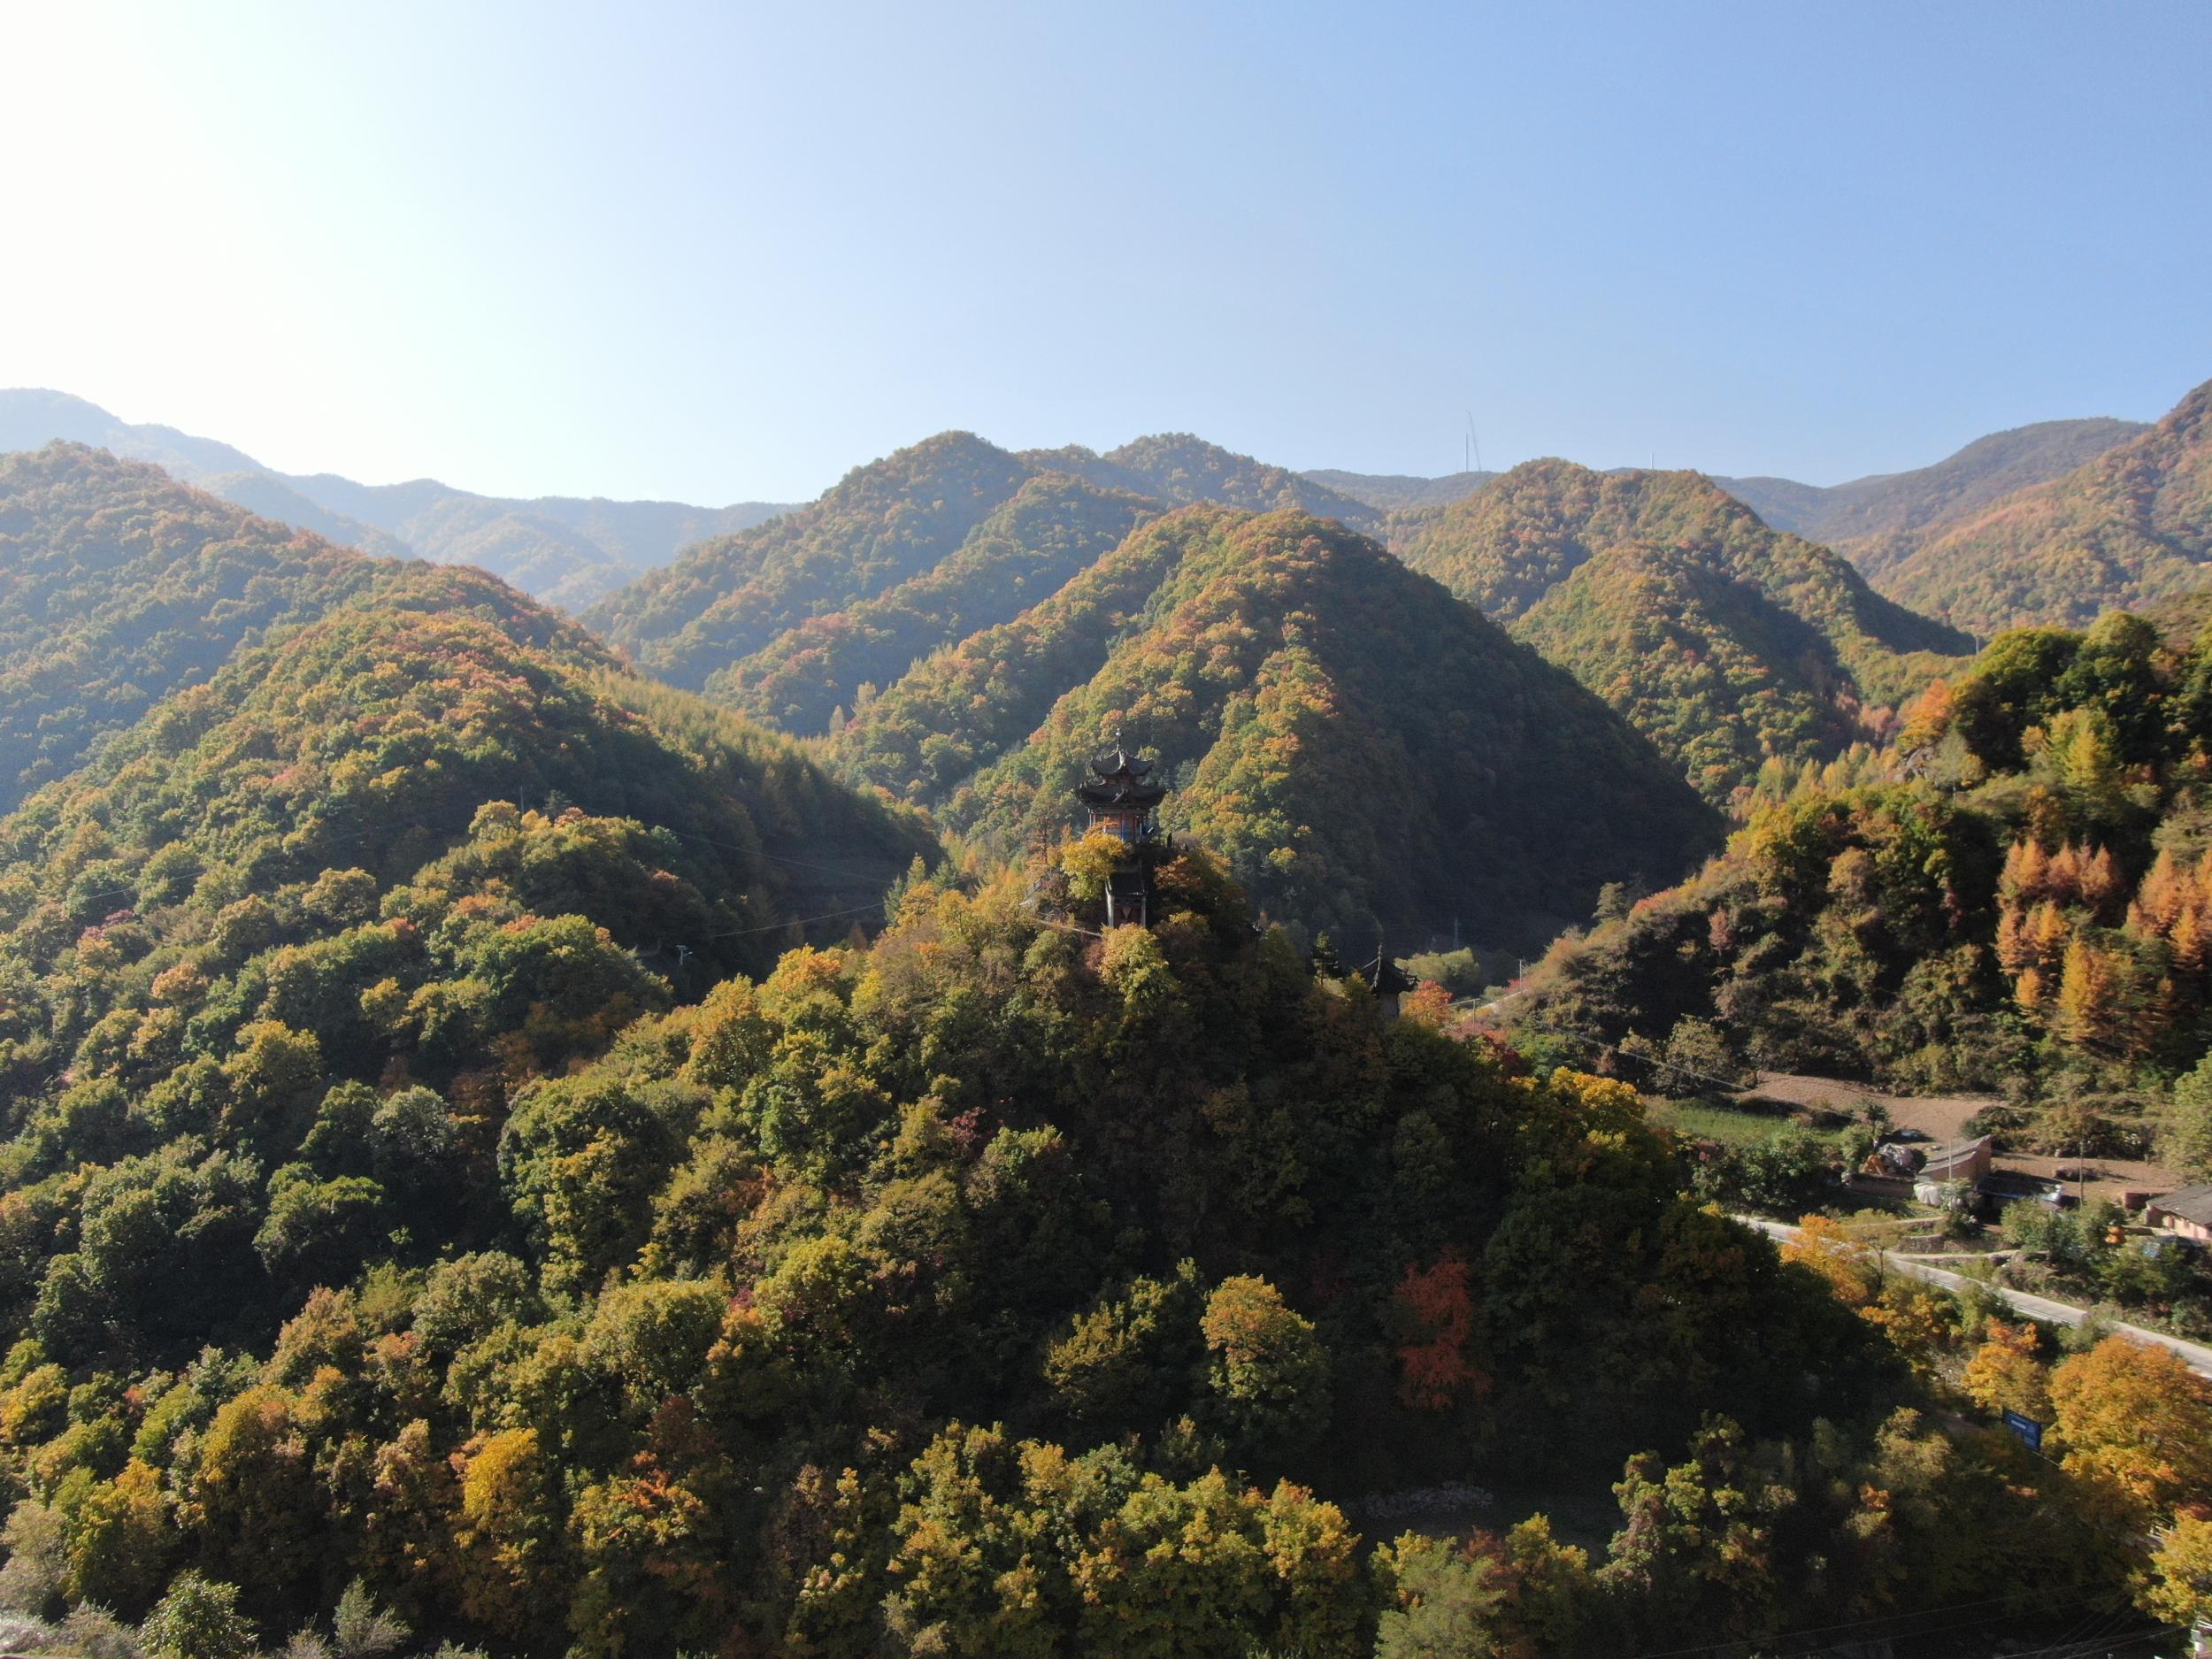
[[721, 252]]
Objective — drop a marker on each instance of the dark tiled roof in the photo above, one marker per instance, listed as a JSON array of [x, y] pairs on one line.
[[1117, 762], [2190, 1203]]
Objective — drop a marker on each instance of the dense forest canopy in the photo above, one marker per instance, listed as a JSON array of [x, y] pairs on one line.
[[1336, 728], [1004, 1282], [2132, 526]]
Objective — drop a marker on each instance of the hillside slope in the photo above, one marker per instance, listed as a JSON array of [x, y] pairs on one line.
[[1879, 521], [2014, 897], [2132, 526], [1783, 650], [1718, 676], [1362, 752]]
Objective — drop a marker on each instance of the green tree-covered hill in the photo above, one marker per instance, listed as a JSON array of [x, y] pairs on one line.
[[1782, 650], [795, 615], [1361, 749], [1719, 678], [2132, 526]]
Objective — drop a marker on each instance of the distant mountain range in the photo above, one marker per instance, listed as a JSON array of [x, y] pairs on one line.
[[1876, 522], [563, 549], [1399, 492], [576, 552], [1730, 620], [2126, 529]]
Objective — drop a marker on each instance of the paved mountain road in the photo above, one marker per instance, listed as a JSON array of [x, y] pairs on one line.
[[2198, 1355]]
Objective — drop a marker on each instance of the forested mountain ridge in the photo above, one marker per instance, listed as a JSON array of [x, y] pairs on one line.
[[269, 495], [961, 708], [2131, 528], [1720, 680], [1872, 521], [566, 550], [1360, 752], [893, 522], [1179, 468], [881, 525], [1052, 528], [1877, 521], [1788, 663], [118, 584]]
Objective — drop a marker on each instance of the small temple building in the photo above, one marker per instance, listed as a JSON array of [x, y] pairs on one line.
[[1387, 980], [1123, 798]]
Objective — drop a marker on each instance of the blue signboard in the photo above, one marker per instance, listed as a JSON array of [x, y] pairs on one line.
[[2028, 1429]]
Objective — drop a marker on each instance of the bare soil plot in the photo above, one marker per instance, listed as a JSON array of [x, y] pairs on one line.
[[1942, 1118], [1938, 1117]]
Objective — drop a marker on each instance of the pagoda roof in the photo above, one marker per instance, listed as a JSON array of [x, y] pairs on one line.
[[1119, 763], [1386, 978], [1121, 790]]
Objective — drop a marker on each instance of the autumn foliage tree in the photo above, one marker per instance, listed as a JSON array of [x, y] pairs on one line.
[[1433, 1310]]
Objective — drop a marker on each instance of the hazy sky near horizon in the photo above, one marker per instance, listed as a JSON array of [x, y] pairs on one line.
[[719, 253]]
